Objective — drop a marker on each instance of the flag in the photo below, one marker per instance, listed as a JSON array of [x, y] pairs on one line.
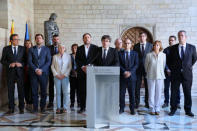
[[12, 30], [26, 32]]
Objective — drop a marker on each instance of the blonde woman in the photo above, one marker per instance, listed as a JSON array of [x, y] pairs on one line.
[[154, 65], [61, 67]]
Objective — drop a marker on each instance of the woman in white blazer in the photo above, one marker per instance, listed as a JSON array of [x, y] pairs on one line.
[[61, 67], [154, 65]]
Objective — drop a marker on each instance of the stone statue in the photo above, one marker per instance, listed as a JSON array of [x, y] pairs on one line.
[[50, 29]]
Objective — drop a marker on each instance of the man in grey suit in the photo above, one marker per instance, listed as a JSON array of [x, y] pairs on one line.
[[142, 48]]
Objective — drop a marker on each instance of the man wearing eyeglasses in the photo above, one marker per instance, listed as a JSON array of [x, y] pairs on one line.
[[13, 59], [172, 41]]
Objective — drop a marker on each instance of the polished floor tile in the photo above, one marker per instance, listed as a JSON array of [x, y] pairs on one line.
[[50, 121]]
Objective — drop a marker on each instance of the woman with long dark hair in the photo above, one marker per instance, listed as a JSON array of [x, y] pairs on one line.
[[27, 86]]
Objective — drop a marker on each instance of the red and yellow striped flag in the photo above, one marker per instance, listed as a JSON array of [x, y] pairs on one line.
[[12, 30]]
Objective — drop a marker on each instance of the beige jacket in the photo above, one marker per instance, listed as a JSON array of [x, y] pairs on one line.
[[63, 69], [155, 65]]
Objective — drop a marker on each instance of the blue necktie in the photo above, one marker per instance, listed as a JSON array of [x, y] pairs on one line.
[[56, 51], [127, 61], [104, 55], [15, 52], [182, 53]]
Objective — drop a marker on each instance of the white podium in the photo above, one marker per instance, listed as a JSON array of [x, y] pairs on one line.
[[102, 96]]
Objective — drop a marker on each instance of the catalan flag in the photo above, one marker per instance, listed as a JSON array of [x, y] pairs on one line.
[[12, 30]]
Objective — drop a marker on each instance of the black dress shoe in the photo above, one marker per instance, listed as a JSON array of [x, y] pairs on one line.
[[42, 110], [121, 111], [146, 105], [165, 105], [171, 113], [50, 106], [10, 111], [136, 106], [81, 111], [21, 111], [178, 106], [190, 114], [132, 113]]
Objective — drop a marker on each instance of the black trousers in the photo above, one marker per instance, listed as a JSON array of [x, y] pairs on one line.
[[137, 90], [166, 90], [175, 85], [11, 88], [51, 88], [130, 85], [82, 92], [74, 90], [28, 90]]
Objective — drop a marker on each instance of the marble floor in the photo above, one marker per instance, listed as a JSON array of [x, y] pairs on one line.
[[71, 121]]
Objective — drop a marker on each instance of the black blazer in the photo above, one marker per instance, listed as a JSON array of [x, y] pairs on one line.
[[52, 50], [167, 52], [176, 64], [8, 58], [81, 59], [112, 58], [133, 65], [147, 49]]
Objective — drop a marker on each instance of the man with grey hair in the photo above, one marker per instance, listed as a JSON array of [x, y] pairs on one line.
[[182, 58], [118, 44]]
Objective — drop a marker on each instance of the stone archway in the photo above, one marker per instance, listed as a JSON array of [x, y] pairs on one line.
[[133, 34]]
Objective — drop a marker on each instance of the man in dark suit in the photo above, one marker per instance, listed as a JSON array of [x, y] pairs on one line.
[[85, 56], [74, 86], [142, 49], [39, 60], [182, 58], [107, 56], [128, 66], [53, 50], [13, 58], [172, 41]]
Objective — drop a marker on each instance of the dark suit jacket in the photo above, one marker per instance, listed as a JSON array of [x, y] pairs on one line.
[[134, 62], [147, 49], [81, 59], [43, 61], [112, 58], [167, 52], [176, 64], [52, 50], [8, 58]]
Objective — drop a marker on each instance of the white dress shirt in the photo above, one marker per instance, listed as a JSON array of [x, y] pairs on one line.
[[141, 46], [104, 51], [126, 53], [86, 49], [13, 49], [184, 47]]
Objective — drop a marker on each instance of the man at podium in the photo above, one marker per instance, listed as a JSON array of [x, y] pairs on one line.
[[106, 56]]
